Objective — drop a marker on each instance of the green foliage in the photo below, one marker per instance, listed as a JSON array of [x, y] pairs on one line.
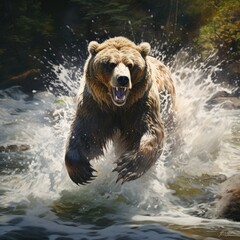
[[114, 8], [200, 9], [105, 15], [48, 27], [220, 30], [28, 25]]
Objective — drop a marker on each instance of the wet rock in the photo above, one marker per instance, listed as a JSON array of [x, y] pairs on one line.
[[226, 100], [228, 202], [14, 148], [234, 67]]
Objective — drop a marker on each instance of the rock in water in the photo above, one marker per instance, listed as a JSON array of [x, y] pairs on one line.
[[228, 205]]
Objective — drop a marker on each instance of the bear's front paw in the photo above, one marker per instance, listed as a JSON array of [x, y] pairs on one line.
[[79, 169], [130, 167]]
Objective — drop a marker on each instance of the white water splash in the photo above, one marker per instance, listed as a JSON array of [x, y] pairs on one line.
[[43, 122]]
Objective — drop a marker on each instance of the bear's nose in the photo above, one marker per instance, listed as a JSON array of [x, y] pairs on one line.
[[122, 80]]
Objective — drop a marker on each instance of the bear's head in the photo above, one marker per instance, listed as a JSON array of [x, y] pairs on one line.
[[116, 71]]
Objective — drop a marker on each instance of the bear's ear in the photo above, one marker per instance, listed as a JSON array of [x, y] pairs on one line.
[[92, 47], [145, 49]]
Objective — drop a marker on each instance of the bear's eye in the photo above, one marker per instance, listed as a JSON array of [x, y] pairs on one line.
[[109, 66], [130, 65]]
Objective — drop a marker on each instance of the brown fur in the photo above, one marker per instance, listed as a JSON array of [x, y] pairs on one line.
[[139, 121]]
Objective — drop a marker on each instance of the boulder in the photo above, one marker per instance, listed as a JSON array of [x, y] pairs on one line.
[[228, 201]]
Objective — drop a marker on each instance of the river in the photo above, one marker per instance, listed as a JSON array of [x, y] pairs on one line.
[[171, 201]]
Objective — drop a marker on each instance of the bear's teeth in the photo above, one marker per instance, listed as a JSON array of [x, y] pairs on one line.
[[119, 94], [124, 88]]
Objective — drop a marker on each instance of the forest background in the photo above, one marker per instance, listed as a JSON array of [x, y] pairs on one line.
[[29, 27]]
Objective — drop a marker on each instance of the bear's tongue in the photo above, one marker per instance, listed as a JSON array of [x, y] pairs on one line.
[[119, 93]]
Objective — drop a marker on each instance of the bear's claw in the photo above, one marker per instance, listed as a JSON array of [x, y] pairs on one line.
[[128, 170], [79, 169], [81, 175]]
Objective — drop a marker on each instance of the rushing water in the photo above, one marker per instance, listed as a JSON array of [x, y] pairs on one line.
[[171, 201]]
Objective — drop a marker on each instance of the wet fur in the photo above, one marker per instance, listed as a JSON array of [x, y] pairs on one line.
[[139, 122]]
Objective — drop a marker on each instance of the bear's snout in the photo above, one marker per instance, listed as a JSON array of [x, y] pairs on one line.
[[123, 80], [121, 76], [120, 84]]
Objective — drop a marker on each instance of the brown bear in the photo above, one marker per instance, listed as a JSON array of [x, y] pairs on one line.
[[123, 97]]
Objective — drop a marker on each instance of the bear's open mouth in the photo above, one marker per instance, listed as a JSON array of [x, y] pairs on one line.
[[119, 95]]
